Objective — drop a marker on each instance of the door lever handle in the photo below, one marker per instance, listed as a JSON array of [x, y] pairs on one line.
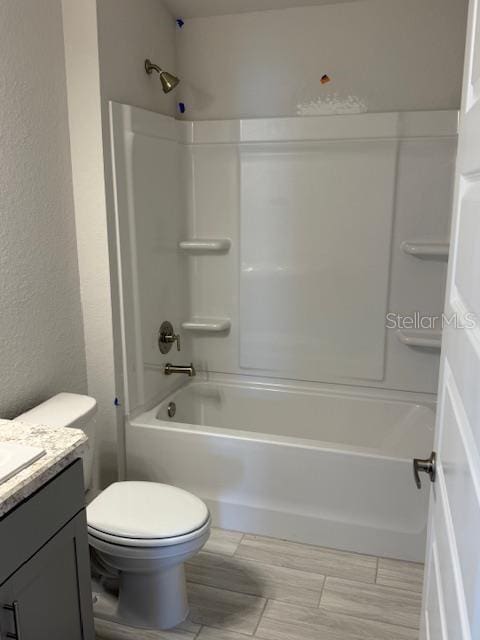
[[15, 609], [428, 465]]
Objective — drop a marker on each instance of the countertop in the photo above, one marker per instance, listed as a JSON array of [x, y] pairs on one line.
[[62, 446]]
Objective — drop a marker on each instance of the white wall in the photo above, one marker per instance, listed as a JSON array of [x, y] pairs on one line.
[[129, 32], [106, 43], [196, 9], [393, 55], [81, 51], [41, 335]]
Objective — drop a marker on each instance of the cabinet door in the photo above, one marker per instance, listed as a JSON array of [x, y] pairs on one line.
[[49, 597]]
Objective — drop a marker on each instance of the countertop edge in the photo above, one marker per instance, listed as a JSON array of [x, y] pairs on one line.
[[62, 446]]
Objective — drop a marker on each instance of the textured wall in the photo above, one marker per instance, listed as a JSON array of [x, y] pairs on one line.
[[41, 336], [391, 55]]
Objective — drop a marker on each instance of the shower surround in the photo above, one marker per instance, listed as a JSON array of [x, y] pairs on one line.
[[276, 247]]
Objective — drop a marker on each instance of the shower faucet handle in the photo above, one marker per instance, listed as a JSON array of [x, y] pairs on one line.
[[175, 337], [167, 336]]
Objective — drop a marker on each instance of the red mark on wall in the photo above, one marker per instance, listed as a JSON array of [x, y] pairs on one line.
[[324, 79]]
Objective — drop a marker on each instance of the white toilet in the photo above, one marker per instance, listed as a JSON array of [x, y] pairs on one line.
[[142, 531]]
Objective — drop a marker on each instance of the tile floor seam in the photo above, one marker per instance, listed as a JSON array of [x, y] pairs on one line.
[[276, 566], [267, 600], [238, 545], [409, 589], [355, 615], [240, 593], [374, 623], [321, 593], [358, 616], [247, 636], [227, 630], [385, 587], [337, 577], [256, 595], [215, 553], [310, 545], [325, 574], [248, 561]]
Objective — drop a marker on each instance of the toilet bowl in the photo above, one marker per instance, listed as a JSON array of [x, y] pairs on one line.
[[145, 531], [141, 532]]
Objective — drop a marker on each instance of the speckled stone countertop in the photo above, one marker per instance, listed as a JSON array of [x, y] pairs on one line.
[[62, 446]]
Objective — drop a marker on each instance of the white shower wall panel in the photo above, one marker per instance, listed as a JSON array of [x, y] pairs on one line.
[[420, 203], [150, 215], [315, 229], [181, 180]]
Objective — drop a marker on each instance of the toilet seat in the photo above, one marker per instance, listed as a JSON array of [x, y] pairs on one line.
[[146, 514], [152, 543]]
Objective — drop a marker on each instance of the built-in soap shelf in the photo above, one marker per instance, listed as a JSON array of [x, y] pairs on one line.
[[426, 250], [420, 338], [206, 245], [208, 325]]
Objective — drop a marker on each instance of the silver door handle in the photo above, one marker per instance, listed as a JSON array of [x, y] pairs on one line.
[[428, 465], [15, 609]]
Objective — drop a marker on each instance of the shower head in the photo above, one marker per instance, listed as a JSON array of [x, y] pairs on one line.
[[168, 80]]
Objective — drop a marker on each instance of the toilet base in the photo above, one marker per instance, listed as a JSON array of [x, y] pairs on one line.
[[156, 600], [152, 589], [145, 601]]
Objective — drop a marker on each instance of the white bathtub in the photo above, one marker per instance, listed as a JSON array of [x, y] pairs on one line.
[[324, 467]]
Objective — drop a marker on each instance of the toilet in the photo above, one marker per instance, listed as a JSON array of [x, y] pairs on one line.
[[142, 532]]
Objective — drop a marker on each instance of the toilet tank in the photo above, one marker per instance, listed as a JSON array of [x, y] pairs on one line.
[[68, 410]]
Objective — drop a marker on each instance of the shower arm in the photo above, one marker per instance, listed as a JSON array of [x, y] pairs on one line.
[[151, 66]]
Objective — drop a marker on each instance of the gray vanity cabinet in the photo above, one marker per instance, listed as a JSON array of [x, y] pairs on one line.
[[47, 595]]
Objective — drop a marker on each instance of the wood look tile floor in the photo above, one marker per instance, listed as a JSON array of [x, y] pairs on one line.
[[245, 586]]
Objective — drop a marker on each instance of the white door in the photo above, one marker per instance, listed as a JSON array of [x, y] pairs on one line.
[[451, 606]]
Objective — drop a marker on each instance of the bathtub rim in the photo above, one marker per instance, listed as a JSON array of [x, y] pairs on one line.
[[147, 418], [263, 382]]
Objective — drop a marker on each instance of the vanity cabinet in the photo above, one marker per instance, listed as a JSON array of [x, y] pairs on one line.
[[45, 591]]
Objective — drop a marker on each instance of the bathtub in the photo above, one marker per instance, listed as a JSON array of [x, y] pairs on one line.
[[319, 465]]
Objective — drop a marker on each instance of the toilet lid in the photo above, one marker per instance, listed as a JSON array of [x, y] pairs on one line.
[[146, 510]]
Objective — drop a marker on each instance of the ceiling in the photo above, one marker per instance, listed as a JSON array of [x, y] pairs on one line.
[[204, 8]]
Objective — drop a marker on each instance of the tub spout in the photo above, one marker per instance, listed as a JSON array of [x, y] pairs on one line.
[[172, 368]]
